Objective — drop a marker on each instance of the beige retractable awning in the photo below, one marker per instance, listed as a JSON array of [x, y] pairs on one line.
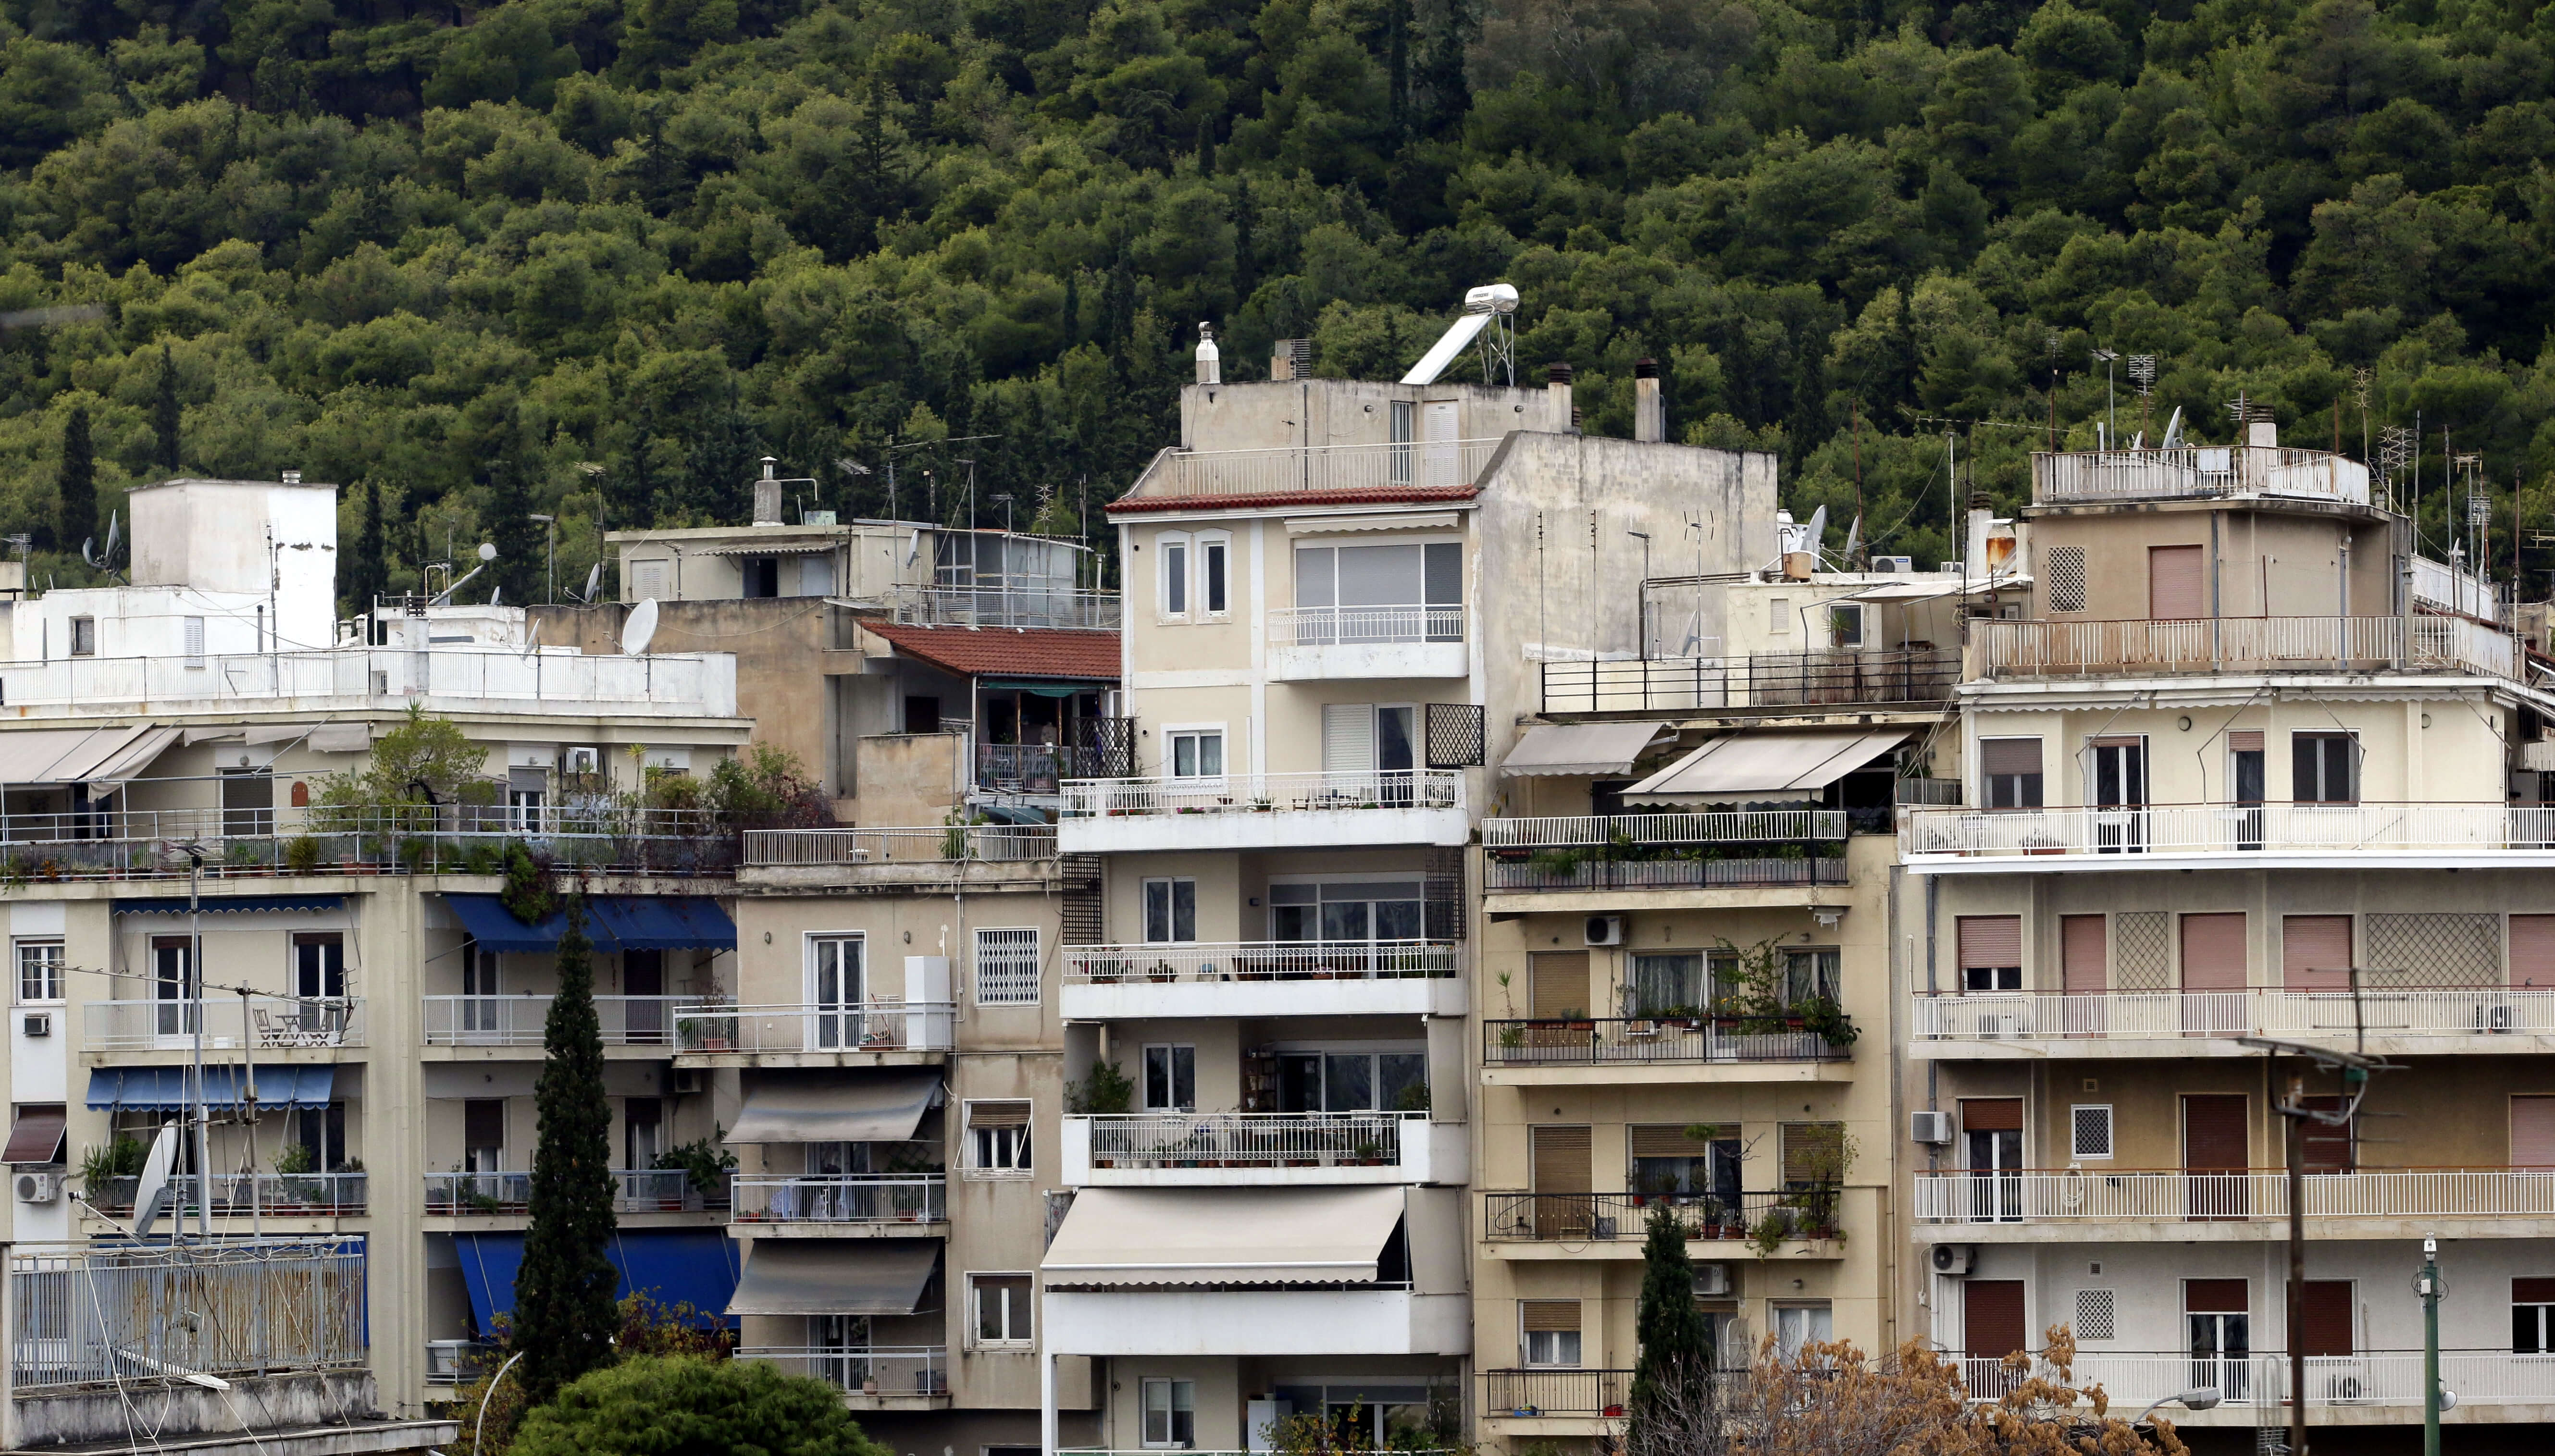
[[835, 1276], [762, 549], [1223, 1236], [342, 738], [859, 1107], [1917, 591], [127, 762], [1762, 766], [1580, 747], [40, 755]]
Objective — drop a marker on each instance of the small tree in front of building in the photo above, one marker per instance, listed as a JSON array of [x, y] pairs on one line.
[[565, 1315], [1674, 1366]]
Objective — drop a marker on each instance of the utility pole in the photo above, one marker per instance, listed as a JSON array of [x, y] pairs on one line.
[[2428, 1286], [2111, 407], [550, 525]]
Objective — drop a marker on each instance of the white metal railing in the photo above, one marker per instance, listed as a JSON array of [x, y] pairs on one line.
[[1834, 678], [2259, 1011], [1243, 793], [2197, 470], [2440, 585], [115, 843], [867, 1025], [2289, 643], [519, 1021], [1962, 1196], [2233, 829], [2372, 1378], [1363, 626], [970, 606], [1247, 1138], [945, 843], [1736, 827], [267, 1022], [635, 1190], [881, 1370], [675, 684], [1421, 465], [102, 1316], [851, 1198], [244, 1194], [454, 1362], [1261, 960]]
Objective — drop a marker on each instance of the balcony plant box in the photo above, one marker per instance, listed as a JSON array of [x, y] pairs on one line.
[[1613, 1413]]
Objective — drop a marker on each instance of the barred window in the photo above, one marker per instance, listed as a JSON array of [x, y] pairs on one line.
[[2092, 1130], [2094, 1314], [2067, 580], [1007, 967]]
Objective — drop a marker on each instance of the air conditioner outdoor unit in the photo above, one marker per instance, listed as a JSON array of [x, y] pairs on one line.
[[1893, 564], [40, 1187], [1711, 1280], [688, 1081], [584, 760], [1604, 931], [2345, 1389], [37, 1024], [1930, 1127], [1952, 1259]]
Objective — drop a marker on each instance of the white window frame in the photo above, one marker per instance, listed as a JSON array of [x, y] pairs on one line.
[[1174, 558], [1216, 546], [1578, 1351], [194, 641], [60, 964], [1172, 1388], [1170, 1073], [848, 1015], [1022, 1146], [78, 648], [1025, 1337], [1007, 936], [1174, 732], [2110, 1126], [1170, 909], [1860, 612], [1806, 1307], [1779, 616]]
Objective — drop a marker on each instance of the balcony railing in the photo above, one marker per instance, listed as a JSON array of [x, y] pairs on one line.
[[2239, 645], [2437, 584], [2371, 1378], [968, 606], [1579, 1393], [1416, 465], [2080, 477], [1248, 793], [1033, 767], [1841, 677], [455, 1362], [635, 1190], [2232, 829], [1605, 868], [285, 1196], [1591, 1041], [942, 844], [519, 1021], [266, 1024], [873, 1025], [1362, 626], [2081, 1195], [106, 1315], [1266, 960], [1748, 826], [858, 1198], [1156, 1139], [882, 1371], [1809, 1213], [2258, 1010], [386, 840], [672, 684]]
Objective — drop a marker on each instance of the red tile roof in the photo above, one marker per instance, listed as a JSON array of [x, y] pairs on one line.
[[1007, 651], [1411, 495]]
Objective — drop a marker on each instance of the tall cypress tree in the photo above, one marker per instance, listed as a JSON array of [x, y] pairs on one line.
[[518, 538], [370, 575], [78, 483], [165, 415], [1675, 1368], [564, 1314]]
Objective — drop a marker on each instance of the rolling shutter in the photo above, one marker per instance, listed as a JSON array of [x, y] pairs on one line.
[[1348, 738], [1811, 1152], [2214, 1136], [2532, 1291], [2533, 1132], [2176, 584], [2215, 1297], [1561, 1162], [2322, 1147], [2324, 1316], [1667, 1140], [2084, 953], [1991, 942], [2213, 952], [2315, 952], [1992, 1318], [2532, 950], [1560, 986], [1539, 1316], [2248, 741], [998, 1114], [2001, 756], [1992, 1114]]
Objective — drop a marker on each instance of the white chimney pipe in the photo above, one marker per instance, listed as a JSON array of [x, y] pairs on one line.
[[1650, 405], [1565, 420], [1210, 363], [766, 496]]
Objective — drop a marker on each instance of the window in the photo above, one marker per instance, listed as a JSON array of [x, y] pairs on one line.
[[2320, 767], [1197, 753], [1002, 1303], [1845, 624], [2066, 579], [527, 790], [1354, 912], [1174, 595], [1669, 985], [1670, 1162], [40, 970], [1797, 1325], [248, 801], [1170, 1415], [648, 579], [84, 637], [2094, 1319], [1007, 967], [195, 630], [998, 1137], [1215, 553], [1353, 1081], [1170, 912], [2012, 770], [922, 714], [1171, 1078], [1809, 975], [2533, 1316], [1379, 593], [835, 975], [1990, 951], [1813, 1156], [2090, 1131], [483, 1136], [642, 1122], [1548, 1331]]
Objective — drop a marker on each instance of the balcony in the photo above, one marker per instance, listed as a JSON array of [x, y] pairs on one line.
[[875, 1377], [1527, 1395], [2043, 1023], [849, 1034], [1801, 1224], [110, 1312], [1035, 768], [2192, 836], [967, 606], [2160, 1206], [246, 1195], [379, 839], [272, 1024], [2373, 1386], [2196, 472], [1431, 470], [1270, 977], [446, 681], [1661, 1049], [497, 1195], [1176, 1321], [1318, 644], [2241, 645], [1263, 812], [1759, 680], [1223, 1149], [1588, 852], [849, 1206], [455, 1362], [519, 1021]]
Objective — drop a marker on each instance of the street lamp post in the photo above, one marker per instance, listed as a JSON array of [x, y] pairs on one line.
[[552, 523], [2427, 1285]]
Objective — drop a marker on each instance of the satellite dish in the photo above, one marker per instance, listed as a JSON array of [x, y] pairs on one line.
[[487, 550], [639, 630], [1818, 534], [593, 581], [114, 530], [2173, 428], [150, 1197]]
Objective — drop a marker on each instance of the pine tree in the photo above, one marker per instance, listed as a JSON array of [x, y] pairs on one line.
[[517, 537], [564, 1313], [78, 483], [165, 415], [1675, 1360], [369, 575]]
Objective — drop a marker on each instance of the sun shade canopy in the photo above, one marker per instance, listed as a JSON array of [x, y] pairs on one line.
[[1763, 765], [233, 905], [36, 1137], [876, 1107], [614, 922], [101, 757], [164, 1089], [1117, 1237], [695, 1267], [835, 1276], [1580, 747]]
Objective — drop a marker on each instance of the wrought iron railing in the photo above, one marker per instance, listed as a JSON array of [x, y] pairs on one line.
[[1834, 678], [267, 1022], [852, 1198], [881, 1371], [635, 1190], [1555, 1391], [519, 1020], [1263, 961], [243, 1194], [1564, 1042], [1802, 1214], [969, 606], [1248, 1140]]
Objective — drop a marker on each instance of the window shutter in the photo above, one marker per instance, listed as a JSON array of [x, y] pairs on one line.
[[1999, 756], [2067, 580], [2315, 952], [998, 1114], [1348, 738], [1810, 1150], [1992, 1318], [2214, 1135], [1991, 942], [2095, 1313], [2175, 584], [2533, 1132], [1541, 1317], [1667, 1140], [2322, 1147], [2215, 1297], [1560, 986], [2532, 1291], [2532, 950], [1561, 1162], [1455, 735], [1992, 1114], [2324, 1316], [2090, 1131], [2249, 741], [2213, 952], [2084, 952]]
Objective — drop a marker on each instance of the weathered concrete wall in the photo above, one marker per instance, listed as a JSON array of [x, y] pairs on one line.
[[176, 1409]]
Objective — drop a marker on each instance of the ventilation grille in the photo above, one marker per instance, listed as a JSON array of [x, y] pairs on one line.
[[1455, 736], [2093, 1314], [1080, 908], [2142, 951], [2423, 950], [2067, 580], [2093, 1132], [1445, 901]]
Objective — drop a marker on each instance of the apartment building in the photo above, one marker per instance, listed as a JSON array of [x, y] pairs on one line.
[[1337, 595], [2247, 766]]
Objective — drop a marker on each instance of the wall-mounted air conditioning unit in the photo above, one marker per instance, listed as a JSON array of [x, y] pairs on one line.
[[585, 760], [1952, 1259], [1930, 1127], [689, 1082], [40, 1187], [1893, 564], [37, 1024], [1605, 929], [1711, 1280]]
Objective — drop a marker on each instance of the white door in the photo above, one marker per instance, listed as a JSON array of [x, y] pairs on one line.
[[834, 992], [1441, 463], [1348, 747]]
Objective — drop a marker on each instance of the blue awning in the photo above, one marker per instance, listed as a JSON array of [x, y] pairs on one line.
[[164, 1089], [614, 922], [231, 904], [695, 1267]]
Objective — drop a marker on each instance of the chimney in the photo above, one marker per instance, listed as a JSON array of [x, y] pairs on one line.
[[1557, 390], [292, 477], [1210, 363], [1650, 407], [2262, 433], [1981, 520], [1293, 359], [766, 496]]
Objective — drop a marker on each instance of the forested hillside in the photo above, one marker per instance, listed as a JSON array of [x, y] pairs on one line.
[[581, 255]]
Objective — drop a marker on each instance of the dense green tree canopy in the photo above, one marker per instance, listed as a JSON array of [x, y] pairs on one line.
[[686, 1405], [594, 258]]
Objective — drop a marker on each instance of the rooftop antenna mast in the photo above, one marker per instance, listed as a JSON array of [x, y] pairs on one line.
[[2142, 375]]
